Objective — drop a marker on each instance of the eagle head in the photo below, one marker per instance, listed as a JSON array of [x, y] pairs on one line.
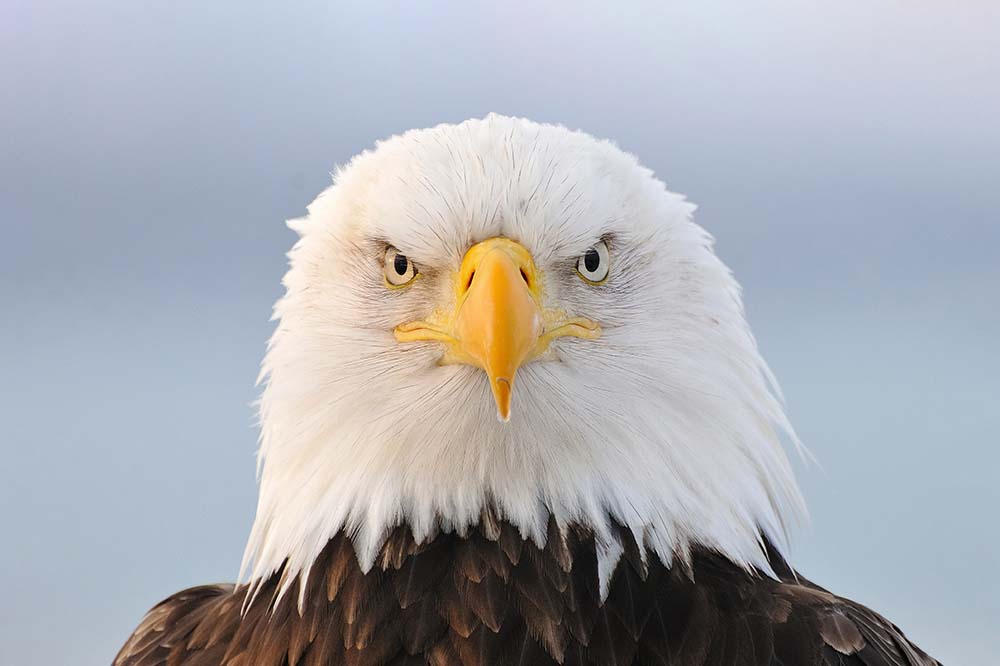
[[513, 317]]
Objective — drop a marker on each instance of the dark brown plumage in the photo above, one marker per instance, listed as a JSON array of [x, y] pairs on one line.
[[492, 598]]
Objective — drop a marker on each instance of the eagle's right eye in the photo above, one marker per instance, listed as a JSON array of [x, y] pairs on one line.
[[399, 270]]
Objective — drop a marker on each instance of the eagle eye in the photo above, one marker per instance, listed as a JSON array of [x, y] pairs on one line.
[[594, 264], [399, 270]]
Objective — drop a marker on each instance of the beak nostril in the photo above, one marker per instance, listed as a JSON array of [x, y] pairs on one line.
[[468, 283], [524, 276]]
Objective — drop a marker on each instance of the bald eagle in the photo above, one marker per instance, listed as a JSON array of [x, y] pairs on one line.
[[513, 414]]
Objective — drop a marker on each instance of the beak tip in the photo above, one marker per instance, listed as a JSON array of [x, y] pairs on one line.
[[502, 394]]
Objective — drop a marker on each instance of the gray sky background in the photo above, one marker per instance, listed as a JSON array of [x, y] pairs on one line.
[[846, 156]]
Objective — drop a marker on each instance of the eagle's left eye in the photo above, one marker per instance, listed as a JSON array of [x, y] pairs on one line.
[[399, 270], [594, 264]]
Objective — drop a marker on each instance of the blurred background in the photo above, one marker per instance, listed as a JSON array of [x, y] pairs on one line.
[[845, 155]]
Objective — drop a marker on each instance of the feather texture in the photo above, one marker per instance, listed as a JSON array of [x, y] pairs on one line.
[[451, 602]]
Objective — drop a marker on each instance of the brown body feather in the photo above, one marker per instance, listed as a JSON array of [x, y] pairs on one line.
[[491, 598]]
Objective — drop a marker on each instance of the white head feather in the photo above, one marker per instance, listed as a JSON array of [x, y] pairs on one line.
[[666, 424]]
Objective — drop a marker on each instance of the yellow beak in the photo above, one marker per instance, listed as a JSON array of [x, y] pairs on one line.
[[498, 323], [498, 319]]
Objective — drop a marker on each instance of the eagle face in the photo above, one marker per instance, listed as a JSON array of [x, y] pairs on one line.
[[502, 268]]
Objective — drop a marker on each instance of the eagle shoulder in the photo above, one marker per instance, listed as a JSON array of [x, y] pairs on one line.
[[192, 627], [847, 632]]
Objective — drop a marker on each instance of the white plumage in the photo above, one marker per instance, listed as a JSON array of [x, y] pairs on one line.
[[668, 423]]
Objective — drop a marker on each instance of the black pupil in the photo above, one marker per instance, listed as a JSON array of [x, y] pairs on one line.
[[591, 260], [400, 263]]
